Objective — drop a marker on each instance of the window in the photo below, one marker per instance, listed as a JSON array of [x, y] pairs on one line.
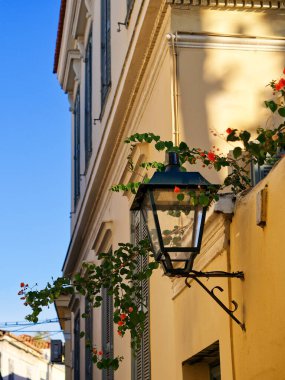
[[76, 168], [107, 332], [105, 50], [88, 101], [205, 365], [141, 369], [88, 340], [76, 352]]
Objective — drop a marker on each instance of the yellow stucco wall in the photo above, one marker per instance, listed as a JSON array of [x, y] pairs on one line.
[[258, 354]]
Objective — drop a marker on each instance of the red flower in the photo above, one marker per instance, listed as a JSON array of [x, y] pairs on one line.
[[202, 154], [22, 284], [229, 130], [211, 156], [119, 332], [100, 353], [123, 316], [177, 189], [121, 323], [280, 84], [131, 309]]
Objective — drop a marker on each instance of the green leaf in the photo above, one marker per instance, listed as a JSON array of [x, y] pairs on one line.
[[281, 111], [204, 200], [245, 136], [237, 152], [180, 197], [183, 146], [160, 145], [271, 105]]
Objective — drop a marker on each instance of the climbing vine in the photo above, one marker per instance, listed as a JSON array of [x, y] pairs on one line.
[[117, 271]]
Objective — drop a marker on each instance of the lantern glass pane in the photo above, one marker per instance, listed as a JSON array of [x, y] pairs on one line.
[[179, 220], [151, 226], [174, 222]]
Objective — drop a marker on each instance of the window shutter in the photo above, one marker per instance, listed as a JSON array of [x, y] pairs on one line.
[[76, 352], [105, 49], [77, 148], [142, 363], [258, 172], [107, 332], [88, 340], [88, 101]]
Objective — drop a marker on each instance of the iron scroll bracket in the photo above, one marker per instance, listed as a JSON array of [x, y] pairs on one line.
[[195, 274]]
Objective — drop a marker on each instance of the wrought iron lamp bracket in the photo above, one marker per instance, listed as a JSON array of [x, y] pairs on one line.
[[195, 276]]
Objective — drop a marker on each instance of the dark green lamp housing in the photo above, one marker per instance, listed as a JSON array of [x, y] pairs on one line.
[[173, 205]]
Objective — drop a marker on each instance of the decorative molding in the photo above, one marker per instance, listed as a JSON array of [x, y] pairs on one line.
[[70, 99], [71, 70], [238, 4], [209, 41], [81, 47], [89, 9], [103, 240], [138, 155]]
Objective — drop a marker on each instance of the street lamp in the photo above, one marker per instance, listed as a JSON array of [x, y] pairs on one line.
[[171, 207]]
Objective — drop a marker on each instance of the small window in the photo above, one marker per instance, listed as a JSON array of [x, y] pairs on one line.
[[88, 101], [105, 50], [205, 365]]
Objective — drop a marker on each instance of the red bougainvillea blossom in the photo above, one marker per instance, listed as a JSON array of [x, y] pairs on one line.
[[177, 189], [279, 85], [211, 156], [229, 130]]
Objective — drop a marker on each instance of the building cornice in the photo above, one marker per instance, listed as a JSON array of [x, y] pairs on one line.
[[228, 42], [238, 4]]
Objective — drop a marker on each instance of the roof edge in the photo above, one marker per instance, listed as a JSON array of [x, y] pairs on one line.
[[59, 34]]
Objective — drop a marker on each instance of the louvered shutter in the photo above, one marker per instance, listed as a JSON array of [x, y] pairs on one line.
[[76, 148], [88, 340], [258, 172], [107, 332], [105, 49], [88, 101], [142, 363], [76, 352]]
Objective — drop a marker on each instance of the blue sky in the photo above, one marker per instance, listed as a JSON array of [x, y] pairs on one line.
[[34, 154]]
